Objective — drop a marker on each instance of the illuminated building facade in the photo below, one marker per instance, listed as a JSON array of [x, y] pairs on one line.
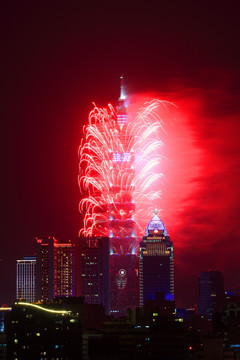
[[95, 270], [26, 279], [54, 269], [211, 292], [156, 262], [63, 269]]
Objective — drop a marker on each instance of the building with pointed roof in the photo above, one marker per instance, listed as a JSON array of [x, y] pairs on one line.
[[156, 262]]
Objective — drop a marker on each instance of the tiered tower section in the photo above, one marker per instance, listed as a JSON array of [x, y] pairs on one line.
[[124, 259]]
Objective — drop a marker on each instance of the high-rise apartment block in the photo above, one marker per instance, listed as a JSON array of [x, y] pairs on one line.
[[26, 279], [156, 262], [211, 292], [54, 269]]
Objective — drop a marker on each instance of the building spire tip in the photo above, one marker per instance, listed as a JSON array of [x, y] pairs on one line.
[[122, 95]]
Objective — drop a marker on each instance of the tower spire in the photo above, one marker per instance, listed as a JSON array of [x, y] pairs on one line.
[[122, 95]]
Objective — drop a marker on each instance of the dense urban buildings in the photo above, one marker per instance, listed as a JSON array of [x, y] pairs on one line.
[[54, 269], [47, 331], [26, 279], [102, 296], [156, 262]]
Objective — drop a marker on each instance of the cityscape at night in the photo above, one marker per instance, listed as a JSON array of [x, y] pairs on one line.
[[121, 181]]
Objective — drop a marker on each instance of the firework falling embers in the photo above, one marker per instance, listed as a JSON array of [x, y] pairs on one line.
[[118, 159]]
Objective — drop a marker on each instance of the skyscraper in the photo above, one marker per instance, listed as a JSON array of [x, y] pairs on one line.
[[156, 262], [107, 170], [54, 269], [95, 270], [26, 279], [211, 292], [124, 262]]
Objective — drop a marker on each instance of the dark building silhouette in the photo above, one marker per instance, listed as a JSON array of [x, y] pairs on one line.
[[46, 331], [211, 292], [138, 338], [59, 329], [156, 262], [94, 264], [124, 282], [226, 323], [44, 269], [3, 341]]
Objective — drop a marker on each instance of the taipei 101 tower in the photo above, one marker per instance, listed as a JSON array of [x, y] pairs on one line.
[[124, 260], [107, 175]]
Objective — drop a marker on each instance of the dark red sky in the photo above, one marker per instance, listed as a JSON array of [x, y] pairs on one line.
[[57, 57]]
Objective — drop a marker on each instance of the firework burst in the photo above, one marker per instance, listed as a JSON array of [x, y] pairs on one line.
[[119, 156]]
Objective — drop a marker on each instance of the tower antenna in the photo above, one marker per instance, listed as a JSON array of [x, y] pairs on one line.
[[122, 95]]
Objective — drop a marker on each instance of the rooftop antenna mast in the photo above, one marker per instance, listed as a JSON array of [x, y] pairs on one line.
[[122, 95]]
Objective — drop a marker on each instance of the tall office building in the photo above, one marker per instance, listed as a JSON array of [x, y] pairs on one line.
[[94, 263], [26, 279], [156, 262], [211, 292], [54, 269]]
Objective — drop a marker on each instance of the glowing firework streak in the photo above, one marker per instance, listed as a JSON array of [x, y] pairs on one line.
[[117, 169]]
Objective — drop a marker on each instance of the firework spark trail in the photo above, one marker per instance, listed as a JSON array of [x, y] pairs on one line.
[[109, 182]]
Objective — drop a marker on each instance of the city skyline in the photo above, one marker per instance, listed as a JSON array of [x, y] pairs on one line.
[[51, 74]]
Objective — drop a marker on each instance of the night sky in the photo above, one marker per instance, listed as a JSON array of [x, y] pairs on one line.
[[58, 57]]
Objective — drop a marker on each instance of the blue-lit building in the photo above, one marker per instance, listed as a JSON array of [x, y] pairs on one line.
[[156, 262]]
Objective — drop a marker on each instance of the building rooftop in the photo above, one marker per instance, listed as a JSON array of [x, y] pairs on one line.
[[156, 224]]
